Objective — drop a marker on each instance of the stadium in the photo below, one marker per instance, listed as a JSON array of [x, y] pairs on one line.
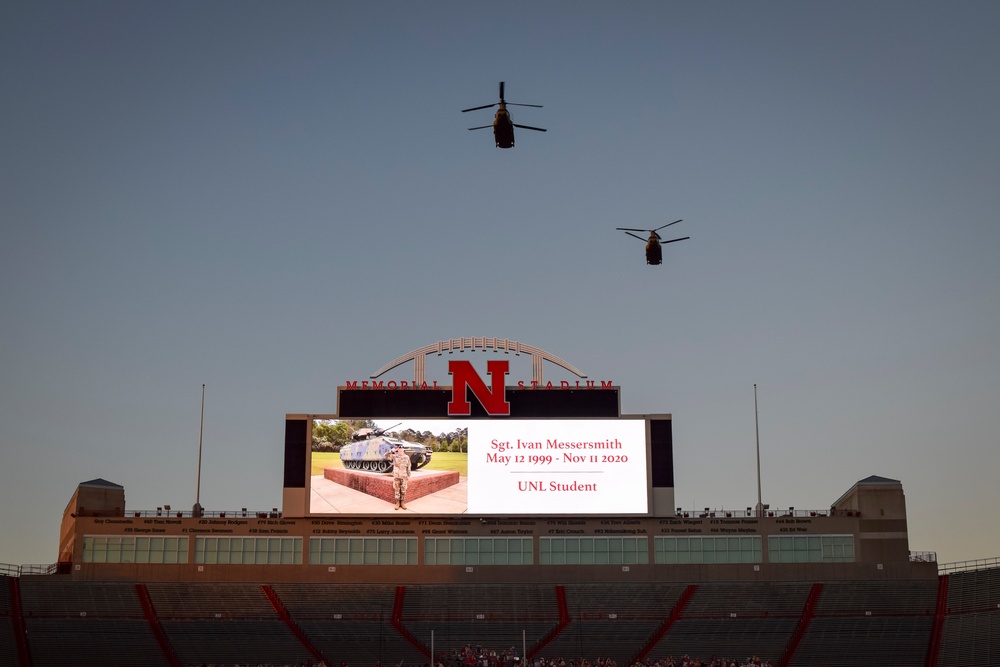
[[554, 541]]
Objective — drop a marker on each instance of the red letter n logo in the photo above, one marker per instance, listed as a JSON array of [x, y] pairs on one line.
[[464, 375]]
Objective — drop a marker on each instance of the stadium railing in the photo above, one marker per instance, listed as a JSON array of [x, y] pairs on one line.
[[969, 565], [8, 570]]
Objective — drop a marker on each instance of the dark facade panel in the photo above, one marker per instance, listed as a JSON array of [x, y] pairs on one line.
[[433, 403], [661, 445], [296, 432]]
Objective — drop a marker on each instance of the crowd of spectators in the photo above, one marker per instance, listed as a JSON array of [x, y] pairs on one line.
[[477, 656], [715, 661]]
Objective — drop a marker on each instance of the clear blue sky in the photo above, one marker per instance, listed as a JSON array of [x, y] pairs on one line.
[[273, 198]]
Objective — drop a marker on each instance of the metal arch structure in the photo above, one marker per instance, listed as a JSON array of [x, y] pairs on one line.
[[419, 356]]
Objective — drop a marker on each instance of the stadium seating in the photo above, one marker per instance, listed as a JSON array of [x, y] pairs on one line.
[[8, 642], [862, 641], [880, 622], [234, 641], [496, 616], [103, 622], [888, 623], [179, 600], [972, 625], [736, 619], [349, 622], [92, 642]]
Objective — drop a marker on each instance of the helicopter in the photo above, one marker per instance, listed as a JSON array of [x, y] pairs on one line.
[[654, 253], [503, 127]]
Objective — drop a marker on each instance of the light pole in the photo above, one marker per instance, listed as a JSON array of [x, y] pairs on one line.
[[198, 510], [756, 426]]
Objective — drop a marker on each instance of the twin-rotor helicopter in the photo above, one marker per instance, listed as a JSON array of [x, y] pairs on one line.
[[654, 250], [503, 126], [503, 134]]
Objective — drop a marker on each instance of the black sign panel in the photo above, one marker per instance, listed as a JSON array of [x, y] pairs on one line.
[[433, 403]]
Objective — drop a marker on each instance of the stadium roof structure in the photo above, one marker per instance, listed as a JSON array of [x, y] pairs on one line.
[[99, 482], [875, 479]]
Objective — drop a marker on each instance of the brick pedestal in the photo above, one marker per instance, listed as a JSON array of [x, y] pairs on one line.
[[421, 483]]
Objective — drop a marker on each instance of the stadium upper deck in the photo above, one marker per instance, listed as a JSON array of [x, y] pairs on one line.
[[861, 536], [547, 483]]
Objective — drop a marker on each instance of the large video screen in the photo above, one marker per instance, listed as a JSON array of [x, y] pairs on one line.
[[479, 466]]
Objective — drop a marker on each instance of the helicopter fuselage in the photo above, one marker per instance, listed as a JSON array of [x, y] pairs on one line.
[[503, 128], [654, 244], [654, 253]]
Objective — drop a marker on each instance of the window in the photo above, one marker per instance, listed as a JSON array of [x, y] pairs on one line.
[[811, 549], [248, 550], [119, 549], [710, 549], [362, 551], [593, 550], [478, 551]]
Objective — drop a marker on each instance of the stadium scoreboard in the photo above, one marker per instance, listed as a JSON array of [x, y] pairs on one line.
[[531, 448]]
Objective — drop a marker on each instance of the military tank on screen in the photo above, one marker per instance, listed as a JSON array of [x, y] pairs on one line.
[[368, 448]]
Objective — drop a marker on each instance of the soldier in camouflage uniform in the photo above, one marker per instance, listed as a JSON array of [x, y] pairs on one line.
[[400, 473]]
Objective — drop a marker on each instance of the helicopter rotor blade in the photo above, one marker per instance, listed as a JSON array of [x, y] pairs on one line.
[[666, 225], [481, 127], [515, 104], [631, 229], [501, 91], [485, 106], [672, 240], [528, 127], [636, 236]]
